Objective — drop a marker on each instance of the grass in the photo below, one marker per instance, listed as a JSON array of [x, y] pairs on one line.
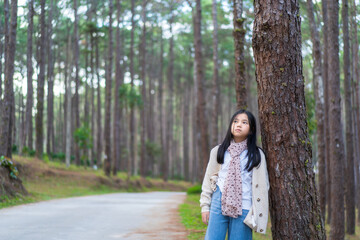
[[51, 180], [190, 213]]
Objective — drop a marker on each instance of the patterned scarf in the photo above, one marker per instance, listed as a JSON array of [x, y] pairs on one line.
[[231, 204]]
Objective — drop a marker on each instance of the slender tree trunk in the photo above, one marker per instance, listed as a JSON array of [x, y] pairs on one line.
[[143, 92], [356, 81], [2, 52], [203, 139], [98, 117], [40, 86], [7, 103], [349, 172], [239, 40], [132, 159], [319, 105], [336, 139], [160, 101], [117, 108], [77, 80], [29, 94], [326, 112], [216, 82], [293, 196], [68, 109], [50, 76], [107, 164], [186, 124]]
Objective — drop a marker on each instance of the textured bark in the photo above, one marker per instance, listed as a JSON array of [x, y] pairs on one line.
[[356, 82], [132, 159], [349, 171], [28, 140], [186, 124], [6, 103], [216, 82], [77, 80], [201, 122], [40, 86], [160, 102], [319, 106], [118, 145], [98, 115], [107, 163], [143, 92], [50, 76], [336, 141], [239, 40], [68, 103], [169, 156], [1, 55], [326, 112], [294, 208]]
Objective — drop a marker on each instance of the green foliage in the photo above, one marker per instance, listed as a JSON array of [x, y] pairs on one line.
[[45, 158], [130, 96], [83, 139], [7, 163], [14, 148], [194, 189], [153, 149]]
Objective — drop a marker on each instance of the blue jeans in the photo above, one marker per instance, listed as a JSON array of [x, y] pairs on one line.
[[220, 224]]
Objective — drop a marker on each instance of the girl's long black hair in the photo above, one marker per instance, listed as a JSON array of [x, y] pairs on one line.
[[253, 150]]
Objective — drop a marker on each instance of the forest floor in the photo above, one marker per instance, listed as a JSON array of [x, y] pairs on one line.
[[191, 217], [45, 180]]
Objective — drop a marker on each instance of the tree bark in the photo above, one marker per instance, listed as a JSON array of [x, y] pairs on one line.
[[349, 171], [336, 140], [98, 117], [160, 102], [203, 139], [239, 40], [132, 159], [40, 85], [356, 82], [107, 164], [143, 92], [319, 106], [50, 76], [29, 94], [278, 61], [326, 112], [117, 107], [216, 82], [77, 80], [68, 109]]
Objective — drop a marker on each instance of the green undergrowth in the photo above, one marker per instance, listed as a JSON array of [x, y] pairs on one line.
[[46, 180]]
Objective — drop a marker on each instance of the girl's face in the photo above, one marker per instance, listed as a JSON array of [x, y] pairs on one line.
[[240, 127]]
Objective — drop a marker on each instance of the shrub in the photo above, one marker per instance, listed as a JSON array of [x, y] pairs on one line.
[[194, 189]]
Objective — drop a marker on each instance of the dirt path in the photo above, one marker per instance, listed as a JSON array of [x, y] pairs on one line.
[[128, 216]]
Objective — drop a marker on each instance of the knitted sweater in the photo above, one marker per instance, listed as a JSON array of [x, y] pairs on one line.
[[258, 215]]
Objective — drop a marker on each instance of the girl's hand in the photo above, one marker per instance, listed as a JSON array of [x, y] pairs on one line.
[[205, 217]]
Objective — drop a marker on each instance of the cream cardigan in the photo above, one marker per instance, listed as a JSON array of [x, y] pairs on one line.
[[257, 217]]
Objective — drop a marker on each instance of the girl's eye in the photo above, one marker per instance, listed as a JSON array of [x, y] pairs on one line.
[[244, 122]]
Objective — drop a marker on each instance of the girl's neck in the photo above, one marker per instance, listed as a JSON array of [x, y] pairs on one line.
[[238, 140]]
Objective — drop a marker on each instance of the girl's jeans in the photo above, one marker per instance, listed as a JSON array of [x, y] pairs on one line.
[[219, 224]]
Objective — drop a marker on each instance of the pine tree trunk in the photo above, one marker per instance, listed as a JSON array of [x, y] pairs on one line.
[[336, 139], [278, 61], [239, 40], [107, 164], [98, 116], [77, 80], [29, 94], [160, 102], [40, 86], [132, 159], [117, 108], [356, 82], [143, 92], [326, 112], [68, 97], [186, 124], [216, 82], [203, 139], [349, 171], [50, 76], [2, 52], [319, 106]]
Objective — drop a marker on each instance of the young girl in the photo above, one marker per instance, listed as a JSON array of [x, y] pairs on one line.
[[234, 196]]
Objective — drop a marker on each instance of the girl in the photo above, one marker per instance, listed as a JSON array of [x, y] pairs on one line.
[[234, 196]]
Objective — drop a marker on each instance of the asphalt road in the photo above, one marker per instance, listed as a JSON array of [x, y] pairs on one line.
[[137, 216]]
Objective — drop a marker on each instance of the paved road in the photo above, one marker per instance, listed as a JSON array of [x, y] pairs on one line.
[[137, 216]]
